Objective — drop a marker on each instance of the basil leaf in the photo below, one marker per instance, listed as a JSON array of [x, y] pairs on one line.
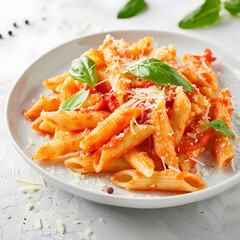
[[160, 73], [74, 101], [206, 14], [132, 8], [233, 6], [84, 69], [220, 126]]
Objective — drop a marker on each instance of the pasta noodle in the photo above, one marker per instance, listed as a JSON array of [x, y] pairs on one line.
[[160, 180]]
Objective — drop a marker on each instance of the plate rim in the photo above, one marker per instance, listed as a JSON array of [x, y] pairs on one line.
[[122, 201]]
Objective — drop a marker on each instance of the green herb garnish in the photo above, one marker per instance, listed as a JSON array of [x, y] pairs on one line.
[[206, 14], [220, 126], [74, 101], [160, 73], [84, 69], [132, 8]]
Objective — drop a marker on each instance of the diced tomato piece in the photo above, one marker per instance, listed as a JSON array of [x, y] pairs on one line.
[[111, 101], [190, 144], [207, 53]]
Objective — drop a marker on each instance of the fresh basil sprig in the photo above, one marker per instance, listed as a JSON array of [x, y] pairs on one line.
[[220, 126], [233, 6], [206, 14], [132, 8], [74, 101], [160, 73], [84, 69]]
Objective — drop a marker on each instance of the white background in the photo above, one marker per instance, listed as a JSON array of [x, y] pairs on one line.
[[215, 218]]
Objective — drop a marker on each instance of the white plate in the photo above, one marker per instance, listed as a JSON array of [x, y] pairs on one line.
[[28, 87]]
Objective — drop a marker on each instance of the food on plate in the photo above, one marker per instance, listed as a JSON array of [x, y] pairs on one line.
[[137, 112]]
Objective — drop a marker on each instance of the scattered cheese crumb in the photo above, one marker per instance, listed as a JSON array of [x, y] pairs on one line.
[[101, 185], [100, 220], [60, 226], [38, 222], [44, 182], [29, 206], [79, 29], [191, 135], [30, 141], [28, 189], [78, 222], [26, 181], [100, 29], [42, 7], [88, 232]]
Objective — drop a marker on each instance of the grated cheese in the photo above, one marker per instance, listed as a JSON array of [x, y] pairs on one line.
[[191, 135], [44, 182], [101, 185], [131, 127], [29, 206], [38, 223], [26, 181], [60, 226], [88, 232], [174, 169], [100, 29], [79, 29], [197, 161], [135, 121], [28, 189]]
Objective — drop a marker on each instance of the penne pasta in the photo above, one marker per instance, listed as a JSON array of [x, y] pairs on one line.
[[35, 125], [165, 54], [181, 112], [199, 72], [140, 161], [111, 126], [142, 47], [68, 88], [96, 56], [43, 104], [163, 139], [73, 121], [58, 147], [199, 104], [84, 164], [61, 134], [222, 144], [44, 127], [160, 180], [54, 82], [59, 160], [120, 145]]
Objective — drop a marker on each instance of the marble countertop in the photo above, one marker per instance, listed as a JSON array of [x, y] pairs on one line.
[[50, 24]]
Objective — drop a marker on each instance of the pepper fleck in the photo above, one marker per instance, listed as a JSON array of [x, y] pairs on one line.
[[14, 24], [110, 190], [10, 33], [26, 22]]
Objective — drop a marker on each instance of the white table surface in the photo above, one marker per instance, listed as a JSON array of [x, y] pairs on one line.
[[215, 218]]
